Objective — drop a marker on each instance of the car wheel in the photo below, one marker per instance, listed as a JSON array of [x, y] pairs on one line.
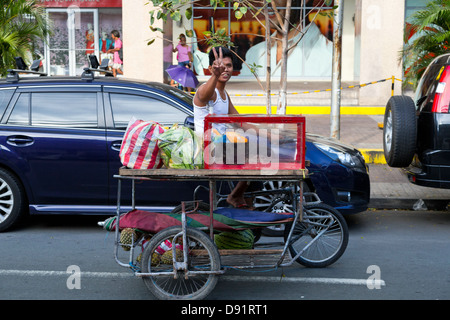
[[399, 131], [277, 203], [12, 200]]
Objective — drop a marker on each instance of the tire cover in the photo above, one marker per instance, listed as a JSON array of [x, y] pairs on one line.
[[399, 131]]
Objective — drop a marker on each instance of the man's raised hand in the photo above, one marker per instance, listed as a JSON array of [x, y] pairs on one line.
[[218, 67]]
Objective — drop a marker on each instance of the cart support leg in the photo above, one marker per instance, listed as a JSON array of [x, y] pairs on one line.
[[300, 202], [212, 206], [185, 244]]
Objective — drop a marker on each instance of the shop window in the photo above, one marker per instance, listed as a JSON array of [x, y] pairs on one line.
[[310, 57], [109, 19]]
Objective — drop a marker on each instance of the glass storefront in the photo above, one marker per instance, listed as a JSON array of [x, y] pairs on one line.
[[311, 56], [80, 29]]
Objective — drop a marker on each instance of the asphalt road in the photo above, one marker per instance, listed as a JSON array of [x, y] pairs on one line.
[[407, 252]]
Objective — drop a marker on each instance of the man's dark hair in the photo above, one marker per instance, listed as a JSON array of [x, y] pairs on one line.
[[225, 53]]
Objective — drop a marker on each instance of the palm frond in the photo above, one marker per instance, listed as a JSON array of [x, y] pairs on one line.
[[23, 24], [432, 28]]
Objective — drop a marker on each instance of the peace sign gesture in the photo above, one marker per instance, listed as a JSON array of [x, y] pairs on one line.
[[218, 66]]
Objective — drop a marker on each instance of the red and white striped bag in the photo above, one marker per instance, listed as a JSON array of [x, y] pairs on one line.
[[139, 149]]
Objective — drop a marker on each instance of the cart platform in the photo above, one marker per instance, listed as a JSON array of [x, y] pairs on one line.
[[216, 174]]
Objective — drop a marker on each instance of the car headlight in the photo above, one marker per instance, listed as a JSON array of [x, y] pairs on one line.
[[341, 156]]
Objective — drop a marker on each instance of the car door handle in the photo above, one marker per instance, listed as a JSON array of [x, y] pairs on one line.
[[20, 141], [115, 145]]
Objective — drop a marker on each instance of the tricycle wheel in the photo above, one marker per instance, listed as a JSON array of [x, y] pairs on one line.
[[202, 255], [325, 223]]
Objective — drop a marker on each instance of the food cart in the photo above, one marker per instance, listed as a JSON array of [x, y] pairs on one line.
[[179, 256]]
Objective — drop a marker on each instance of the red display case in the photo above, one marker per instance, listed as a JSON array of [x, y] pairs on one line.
[[254, 142]]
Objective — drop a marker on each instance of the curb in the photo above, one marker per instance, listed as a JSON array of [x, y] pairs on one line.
[[375, 156], [409, 204]]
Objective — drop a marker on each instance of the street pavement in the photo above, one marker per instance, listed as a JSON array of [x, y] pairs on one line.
[[360, 127]]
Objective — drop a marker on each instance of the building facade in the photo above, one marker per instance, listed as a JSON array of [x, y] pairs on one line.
[[372, 38]]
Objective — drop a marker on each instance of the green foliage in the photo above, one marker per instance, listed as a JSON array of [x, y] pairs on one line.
[[432, 27], [23, 25], [254, 67], [218, 38]]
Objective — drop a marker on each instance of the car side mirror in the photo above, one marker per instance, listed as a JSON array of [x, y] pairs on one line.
[[189, 122]]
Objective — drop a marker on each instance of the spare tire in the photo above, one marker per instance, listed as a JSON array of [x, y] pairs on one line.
[[399, 131]]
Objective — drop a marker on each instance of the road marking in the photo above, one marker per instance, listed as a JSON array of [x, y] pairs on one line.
[[43, 273], [331, 281], [344, 281]]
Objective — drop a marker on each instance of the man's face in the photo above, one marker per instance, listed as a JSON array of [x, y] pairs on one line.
[[226, 74]]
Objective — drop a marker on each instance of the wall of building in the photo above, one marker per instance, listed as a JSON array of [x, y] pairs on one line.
[[141, 61], [381, 25]]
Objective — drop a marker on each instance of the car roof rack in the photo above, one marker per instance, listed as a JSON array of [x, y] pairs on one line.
[[88, 73], [13, 74]]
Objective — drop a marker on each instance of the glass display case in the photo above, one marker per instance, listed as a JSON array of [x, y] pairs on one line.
[[274, 142]]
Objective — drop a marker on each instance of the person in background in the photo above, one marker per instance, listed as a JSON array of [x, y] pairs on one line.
[[117, 62], [184, 54]]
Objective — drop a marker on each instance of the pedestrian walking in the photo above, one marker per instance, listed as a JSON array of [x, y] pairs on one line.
[[117, 61]]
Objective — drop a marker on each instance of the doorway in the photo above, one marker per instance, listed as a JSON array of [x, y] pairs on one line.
[[75, 38]]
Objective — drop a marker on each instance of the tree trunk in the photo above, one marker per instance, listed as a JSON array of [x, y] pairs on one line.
[[268, 69], [282, 99]]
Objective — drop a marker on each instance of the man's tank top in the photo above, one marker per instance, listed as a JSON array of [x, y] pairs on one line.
[[219, 106]]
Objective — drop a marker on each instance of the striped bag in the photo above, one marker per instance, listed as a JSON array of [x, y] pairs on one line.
[[139, 149]]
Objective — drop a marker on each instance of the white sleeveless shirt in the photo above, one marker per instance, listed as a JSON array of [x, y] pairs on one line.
[[219, 106]]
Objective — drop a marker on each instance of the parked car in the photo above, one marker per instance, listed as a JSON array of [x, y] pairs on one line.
[[60, 139], [417, 130]]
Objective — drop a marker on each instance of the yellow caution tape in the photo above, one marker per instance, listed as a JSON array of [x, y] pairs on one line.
[[362, 85]]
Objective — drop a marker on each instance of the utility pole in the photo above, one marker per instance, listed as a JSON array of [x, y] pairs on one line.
[[335, 114]]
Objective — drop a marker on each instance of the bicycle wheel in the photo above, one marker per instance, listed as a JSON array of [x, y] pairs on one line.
[[325, 223], [202, 256]]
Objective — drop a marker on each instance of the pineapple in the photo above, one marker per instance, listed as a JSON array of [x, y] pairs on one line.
[[166, 258], [127, 237]]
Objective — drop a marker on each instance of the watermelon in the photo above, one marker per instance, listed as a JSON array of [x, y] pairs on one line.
[[235, 239]]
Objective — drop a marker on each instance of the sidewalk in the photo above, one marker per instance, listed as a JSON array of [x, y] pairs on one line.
[[390, 188]]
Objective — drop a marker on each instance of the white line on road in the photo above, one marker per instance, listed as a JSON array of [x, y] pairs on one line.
[[331, 281], [44, 273], [345, 281]]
